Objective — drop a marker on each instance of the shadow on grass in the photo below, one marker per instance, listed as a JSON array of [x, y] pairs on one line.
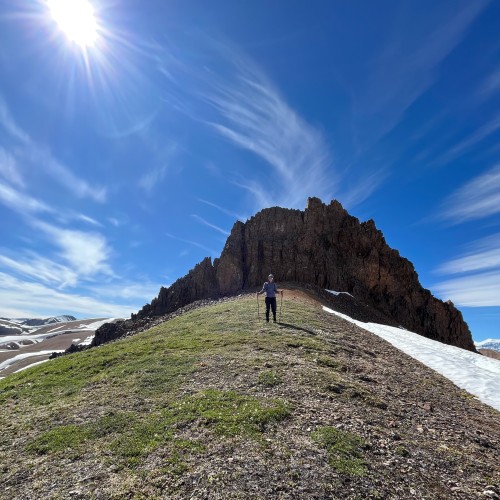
[[299, 328]]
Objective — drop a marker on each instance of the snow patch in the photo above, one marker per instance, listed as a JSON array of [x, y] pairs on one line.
[[29, 366], [477, 374], [333, 292], [88, 340], [25, 355], [493, 344]]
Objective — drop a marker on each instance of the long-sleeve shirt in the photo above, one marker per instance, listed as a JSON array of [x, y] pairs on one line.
[[270, 289]]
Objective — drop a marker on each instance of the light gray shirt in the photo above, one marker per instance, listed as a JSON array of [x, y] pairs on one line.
[[270, 288]]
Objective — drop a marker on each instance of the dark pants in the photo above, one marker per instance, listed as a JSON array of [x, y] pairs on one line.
[[270, 303]]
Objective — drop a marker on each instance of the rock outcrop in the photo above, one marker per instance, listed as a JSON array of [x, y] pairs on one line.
[[326, 247]]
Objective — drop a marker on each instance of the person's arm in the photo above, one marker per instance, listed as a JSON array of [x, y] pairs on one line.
[[263, 289]]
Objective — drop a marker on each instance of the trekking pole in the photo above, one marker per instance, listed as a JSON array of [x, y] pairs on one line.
[[258, 309], [281, 305]]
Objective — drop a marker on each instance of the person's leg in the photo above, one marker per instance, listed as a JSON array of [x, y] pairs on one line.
[[268, 305], [273, 306]]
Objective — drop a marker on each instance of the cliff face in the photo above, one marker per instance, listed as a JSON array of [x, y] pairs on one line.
[[326, 247]]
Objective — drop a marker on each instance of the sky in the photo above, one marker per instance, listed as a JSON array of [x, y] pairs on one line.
[[134, 134]]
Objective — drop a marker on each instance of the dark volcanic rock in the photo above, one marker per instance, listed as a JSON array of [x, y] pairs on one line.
[[110, 331], [326, 247]]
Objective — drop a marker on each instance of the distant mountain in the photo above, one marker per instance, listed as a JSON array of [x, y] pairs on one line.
[[11, 327], [493, 344], [18, 326], [48, 321]]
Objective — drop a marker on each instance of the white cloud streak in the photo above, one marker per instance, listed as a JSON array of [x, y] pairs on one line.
[[209, 224], [9, 170], [125, 291], [21, 202], [477, 199], [407, 66], [478, 290], [41, 269], [224, 210], [10, 125], [21, 298], [363, 189], [479, 135], [87, 253], [485, 255], [254, 117], [153, 178], [480, 285], [490, 86], [194, 243], [33, 153]]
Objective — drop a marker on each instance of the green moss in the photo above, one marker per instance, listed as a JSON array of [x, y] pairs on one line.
[[343, 448], [270, 378], [324, 360], [227, 412], [60, 438]]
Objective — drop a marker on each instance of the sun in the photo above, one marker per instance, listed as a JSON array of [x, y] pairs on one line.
[[76, 19]]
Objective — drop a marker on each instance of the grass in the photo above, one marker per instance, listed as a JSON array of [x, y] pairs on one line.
[[344, 450], [133, 386], [228, 413], [185, 408], [270, 378]]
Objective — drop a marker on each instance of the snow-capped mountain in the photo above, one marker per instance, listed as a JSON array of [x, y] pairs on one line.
[[19, 326], [48, 321], [11, 327], [493, 344]]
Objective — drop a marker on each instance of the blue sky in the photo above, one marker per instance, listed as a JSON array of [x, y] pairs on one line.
[[124, 163]]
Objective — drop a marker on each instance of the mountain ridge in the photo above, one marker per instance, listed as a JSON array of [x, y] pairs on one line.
[[325, 247], [215, 403]]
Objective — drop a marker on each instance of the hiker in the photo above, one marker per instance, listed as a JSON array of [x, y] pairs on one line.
[[271, 289]]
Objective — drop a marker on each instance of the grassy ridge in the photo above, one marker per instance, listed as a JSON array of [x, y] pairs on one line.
[[124, 401], [217, 402]]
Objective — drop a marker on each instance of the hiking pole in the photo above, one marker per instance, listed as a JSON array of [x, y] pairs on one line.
[[258, 309], [281, 305]]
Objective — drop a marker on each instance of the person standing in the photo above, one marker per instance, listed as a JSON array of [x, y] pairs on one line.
[[270, 289]]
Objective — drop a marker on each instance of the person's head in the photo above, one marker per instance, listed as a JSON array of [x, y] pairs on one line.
[[270, 278]]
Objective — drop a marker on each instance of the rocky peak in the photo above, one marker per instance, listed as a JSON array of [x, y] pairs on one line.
[[326, 247]]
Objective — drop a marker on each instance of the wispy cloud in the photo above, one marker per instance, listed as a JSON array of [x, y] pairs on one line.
[[21, 202], [209, 224], [407, 66], [8, 123], [153, 178], [87, 219], [292, 159], [127, 290], [480, 265], [477, 199], [9, 170], [491, 86], [255, 117], [363, 189], [32, 265], [86, 252], [231, 213], [486, 130], [212, 252], [64, 176], [478, 290], [482, 255], [29, 152], [22, 298]]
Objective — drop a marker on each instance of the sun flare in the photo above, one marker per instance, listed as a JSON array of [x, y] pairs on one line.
[[76, 19]]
